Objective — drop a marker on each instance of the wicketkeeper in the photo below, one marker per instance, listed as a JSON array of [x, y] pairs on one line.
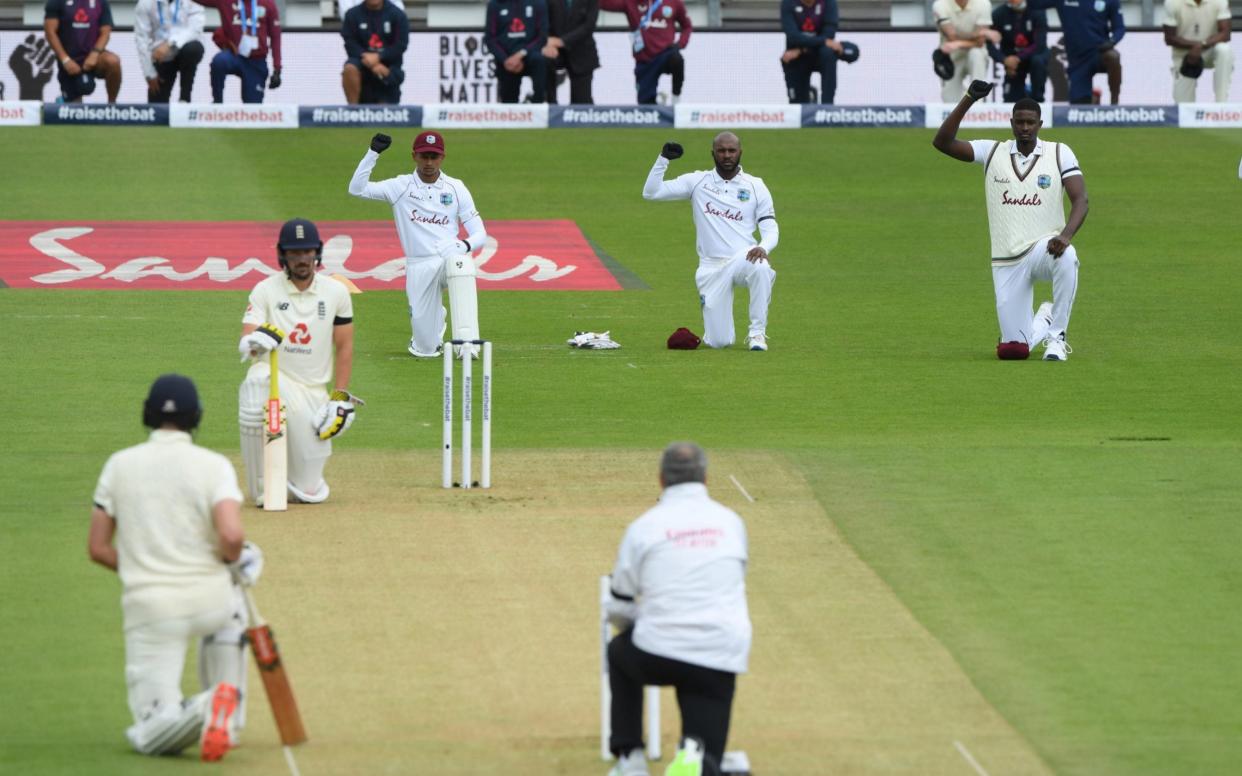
[[430, 208], [311, 319]]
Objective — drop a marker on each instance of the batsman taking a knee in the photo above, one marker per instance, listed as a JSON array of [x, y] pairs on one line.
[[309, 318]]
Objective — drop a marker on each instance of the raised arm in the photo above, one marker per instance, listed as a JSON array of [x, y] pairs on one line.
[[656, 188], [360, 185], [946, 141]]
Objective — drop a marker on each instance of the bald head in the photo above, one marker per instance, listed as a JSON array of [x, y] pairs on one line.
[[727, 153], [726, 137], [683, 462]]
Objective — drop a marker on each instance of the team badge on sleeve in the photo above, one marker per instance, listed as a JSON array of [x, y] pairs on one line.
[[1044, 181]]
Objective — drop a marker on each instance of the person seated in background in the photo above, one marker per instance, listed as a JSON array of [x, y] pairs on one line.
[[167, 34], [1092, 32], [1197, 31], [516, 33], [965, 28], [376, 34], [659, 32], [571, 47], [78, 31], [248, 28], [810, 28], [1023, 49]]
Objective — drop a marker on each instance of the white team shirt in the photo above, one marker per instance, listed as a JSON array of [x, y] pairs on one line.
[[964, 21], [161, 494], [426, 214], [726, 212], [1068, 161], [308, 319], [156, 21], [684, 561], [1195, 21]]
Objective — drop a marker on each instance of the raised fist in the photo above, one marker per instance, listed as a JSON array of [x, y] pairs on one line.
[[979, 89], [672, 151], [32, 62], [380, 142], [274, 82]]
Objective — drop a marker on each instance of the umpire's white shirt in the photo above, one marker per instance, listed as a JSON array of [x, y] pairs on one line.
[[426, 214], [308, 319], [726, 212], [161, 494], [684, 562]]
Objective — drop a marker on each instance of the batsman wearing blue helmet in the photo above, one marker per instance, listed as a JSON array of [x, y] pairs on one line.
[[310, 318]]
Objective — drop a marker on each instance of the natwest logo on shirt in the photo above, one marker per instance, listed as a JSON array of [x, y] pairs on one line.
[[1210, 114], [738, 116]]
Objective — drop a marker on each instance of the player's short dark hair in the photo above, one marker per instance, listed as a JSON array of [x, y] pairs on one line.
[[683, 462], [1026, 103]]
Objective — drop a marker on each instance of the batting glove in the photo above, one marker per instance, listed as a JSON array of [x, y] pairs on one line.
[[335, 417], [380, 143], [672, 151], [248, 566], [260, 341], [451, 248]]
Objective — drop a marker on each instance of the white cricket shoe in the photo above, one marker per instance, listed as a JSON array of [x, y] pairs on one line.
[[1041, 323], [1056, 348], [756, 342], [632, 763], [416, 353]]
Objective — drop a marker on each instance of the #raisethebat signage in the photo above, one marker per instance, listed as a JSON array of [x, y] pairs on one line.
[[722, 68]]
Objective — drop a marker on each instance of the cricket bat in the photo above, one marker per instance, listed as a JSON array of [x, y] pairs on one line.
[[275, 448], [275, 681]]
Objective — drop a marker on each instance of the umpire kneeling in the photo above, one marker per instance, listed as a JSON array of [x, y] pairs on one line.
[[679, 596]]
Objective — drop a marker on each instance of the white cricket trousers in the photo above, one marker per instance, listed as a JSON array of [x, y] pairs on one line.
[[424, 288], [715, 279], [968, 65], [1219, 59], [1014, 283], [155, 656]]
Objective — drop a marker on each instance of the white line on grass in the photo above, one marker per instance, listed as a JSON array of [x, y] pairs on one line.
[[293, 764], [739, 487], [973, 762]]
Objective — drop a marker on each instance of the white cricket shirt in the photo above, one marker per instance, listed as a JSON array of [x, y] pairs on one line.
[[307, 318], [684, 562], [1195, 21], [161, 494], [1024, 193], [426, 214], [964, 21], [726, 212]]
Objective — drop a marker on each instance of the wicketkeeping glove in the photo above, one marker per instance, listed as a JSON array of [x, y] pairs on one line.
[[979, 89], [260, 341], [450, 248], [248, 566], [337, 415], [672, 151], [380, 143]]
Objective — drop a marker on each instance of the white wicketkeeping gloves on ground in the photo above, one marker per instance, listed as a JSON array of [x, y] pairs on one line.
[[589, 340]]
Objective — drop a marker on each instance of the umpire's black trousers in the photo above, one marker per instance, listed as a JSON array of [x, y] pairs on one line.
[[704, 697], [185, 65]]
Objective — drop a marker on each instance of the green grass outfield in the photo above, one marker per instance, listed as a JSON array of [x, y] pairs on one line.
[[1066, 533]]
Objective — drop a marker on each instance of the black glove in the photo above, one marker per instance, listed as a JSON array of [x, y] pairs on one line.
[[275, 82], [672, 151], [979, 89], [380, 143]]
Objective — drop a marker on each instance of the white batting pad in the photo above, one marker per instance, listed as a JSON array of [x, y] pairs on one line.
[[459, 276]]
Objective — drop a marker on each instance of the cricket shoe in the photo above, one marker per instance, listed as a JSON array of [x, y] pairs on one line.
[[1041, 323], [756, 342], [416, 353], [216, 739], [1056, 348], [689, 759], [632, 763]]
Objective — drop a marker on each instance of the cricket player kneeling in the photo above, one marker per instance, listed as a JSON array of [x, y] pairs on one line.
[[308, 319]]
